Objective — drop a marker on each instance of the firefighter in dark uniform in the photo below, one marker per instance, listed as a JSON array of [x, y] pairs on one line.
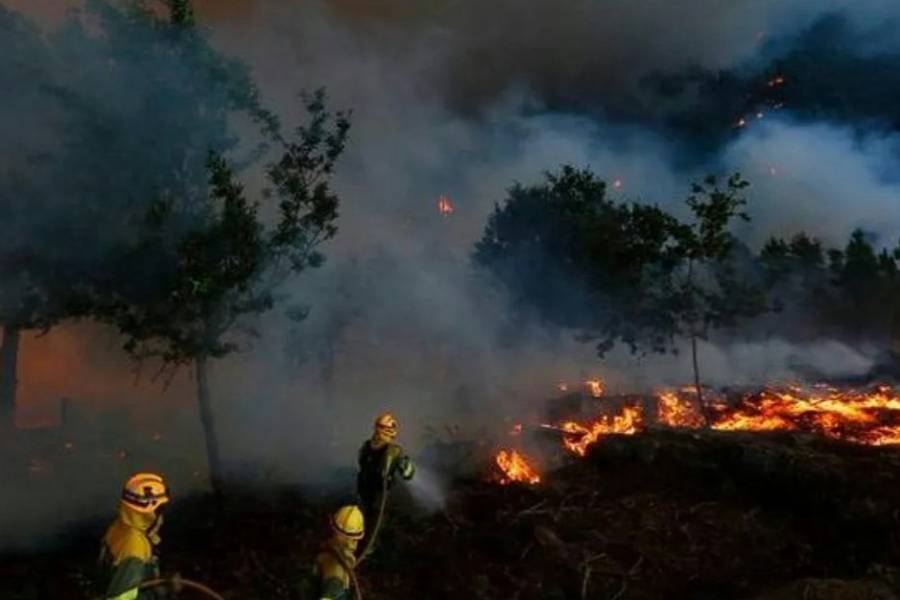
[[381, 462]]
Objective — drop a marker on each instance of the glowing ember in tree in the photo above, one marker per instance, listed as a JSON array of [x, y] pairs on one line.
[[595, 386], [516, 430], [515, 468], [577, 437], [617, 184], [674, 411], [445, 207], [562, 386]]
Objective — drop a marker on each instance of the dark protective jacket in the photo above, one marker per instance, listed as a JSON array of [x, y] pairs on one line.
[[379, 466]]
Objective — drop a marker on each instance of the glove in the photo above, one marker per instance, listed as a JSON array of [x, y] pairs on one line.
[[406, 467]]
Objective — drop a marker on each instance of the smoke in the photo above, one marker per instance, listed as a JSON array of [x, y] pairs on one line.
[[823, 178], [463, 99], [428, 490]]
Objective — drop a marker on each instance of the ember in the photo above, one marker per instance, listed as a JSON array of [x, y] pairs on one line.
[[595, 386], [445, 207], [515, 468]]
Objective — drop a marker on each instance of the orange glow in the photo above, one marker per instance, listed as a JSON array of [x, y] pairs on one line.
[[595, 386], [848, 415], [577, 437], [445, 207], [861, 417], [674, 411], [515, 468], [77, 361]]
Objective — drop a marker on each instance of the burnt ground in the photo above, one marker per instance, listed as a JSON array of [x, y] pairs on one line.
[[661, 515]]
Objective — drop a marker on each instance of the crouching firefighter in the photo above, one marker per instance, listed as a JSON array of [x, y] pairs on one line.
[[381, 461], [334, 568], [127, 556]]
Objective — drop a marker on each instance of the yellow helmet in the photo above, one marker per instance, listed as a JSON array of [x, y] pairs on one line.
[[349, 522], [145, 492], [386, 426]]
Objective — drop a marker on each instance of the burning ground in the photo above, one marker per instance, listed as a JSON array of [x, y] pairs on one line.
[[791, 494]]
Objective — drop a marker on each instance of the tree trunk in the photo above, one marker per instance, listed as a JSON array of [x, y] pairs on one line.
[[697, 385], [9, 358], [209, 425], [693, 330]]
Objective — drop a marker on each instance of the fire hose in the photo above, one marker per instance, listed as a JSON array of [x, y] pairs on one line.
[[371, 541], [178, 581]]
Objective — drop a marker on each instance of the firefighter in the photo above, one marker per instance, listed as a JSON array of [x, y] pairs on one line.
[[381, 461], [127, 555], [335, 564]]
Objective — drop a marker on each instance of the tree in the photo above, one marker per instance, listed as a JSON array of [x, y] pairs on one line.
[[226, 263], [622, 273], [582, 261], [130, 103], [707, 293]]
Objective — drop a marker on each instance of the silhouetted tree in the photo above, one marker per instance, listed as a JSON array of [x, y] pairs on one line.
[[227, 263], [131, 102], [562, 249], [708, 293]]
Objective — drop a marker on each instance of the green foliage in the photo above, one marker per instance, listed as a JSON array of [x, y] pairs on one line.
[[131, 103], [228, 262], [708, 293], [619, 272], [583, 261]]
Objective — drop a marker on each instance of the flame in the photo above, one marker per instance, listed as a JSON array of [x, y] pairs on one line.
[[516, 430], [596, 387], [577, 437], [870, 417], [863, 417], [675, 411], [445, 207], [848, 415], [515, 467], [562, 386]]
